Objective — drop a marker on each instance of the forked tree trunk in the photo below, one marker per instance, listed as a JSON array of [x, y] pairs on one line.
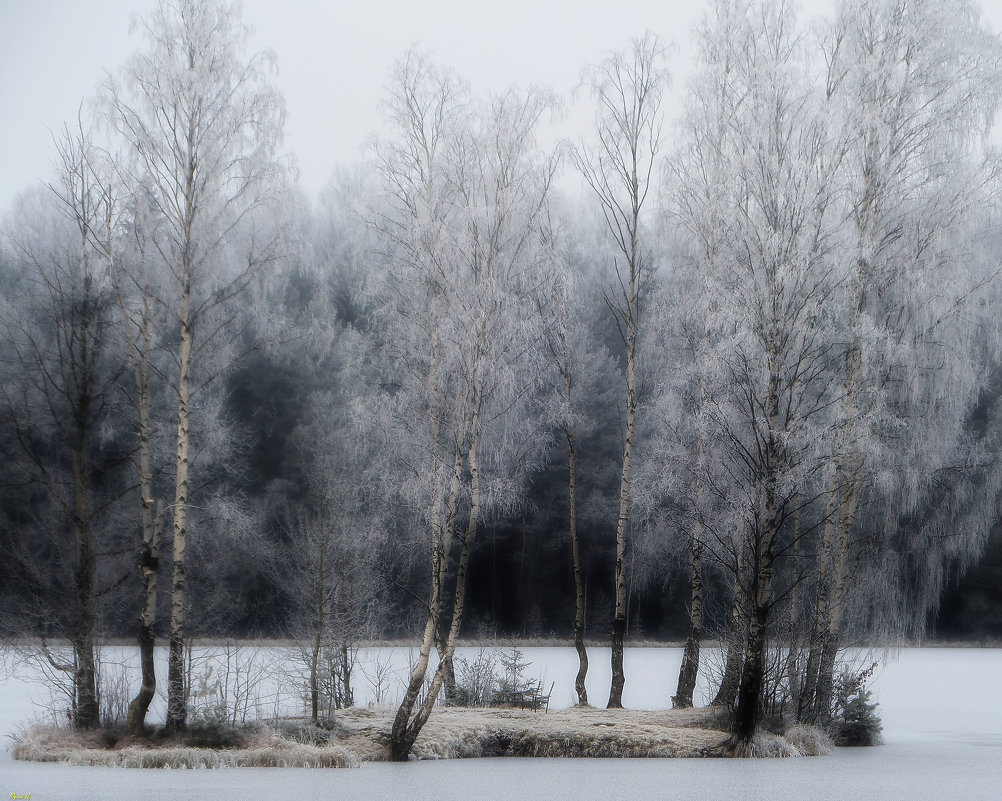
[[405, 729], [690, 657], [177, 685], [449, 687]]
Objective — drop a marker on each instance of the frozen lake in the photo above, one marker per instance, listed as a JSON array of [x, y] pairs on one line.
[[941, 707]]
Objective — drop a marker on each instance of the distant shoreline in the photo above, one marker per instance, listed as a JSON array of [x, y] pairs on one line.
[[499, 642]]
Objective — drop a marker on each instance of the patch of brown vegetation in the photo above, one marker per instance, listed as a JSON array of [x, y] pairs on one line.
[[362, 734], [454, 732], [264, 749]]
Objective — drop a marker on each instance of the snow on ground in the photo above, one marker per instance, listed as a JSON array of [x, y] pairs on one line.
[[942, 711]]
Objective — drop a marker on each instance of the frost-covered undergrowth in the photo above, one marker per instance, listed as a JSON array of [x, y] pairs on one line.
[[262, 749], [451, 733], [454, 732], [796, 741]]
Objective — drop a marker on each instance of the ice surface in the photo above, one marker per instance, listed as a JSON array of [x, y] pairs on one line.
[[942, 712]]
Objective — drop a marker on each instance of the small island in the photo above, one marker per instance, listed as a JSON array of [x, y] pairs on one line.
[[361, 734]]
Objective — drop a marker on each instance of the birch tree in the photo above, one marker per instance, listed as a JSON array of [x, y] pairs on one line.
[[464, 187], [620, 169], [202, 122], [918, 86], [579, 373], [135, 288], [765, 234]]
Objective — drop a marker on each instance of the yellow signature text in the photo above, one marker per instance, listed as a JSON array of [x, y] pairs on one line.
[[25, 797]]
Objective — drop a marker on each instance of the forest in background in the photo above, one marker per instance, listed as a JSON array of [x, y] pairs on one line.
[[745, 389]]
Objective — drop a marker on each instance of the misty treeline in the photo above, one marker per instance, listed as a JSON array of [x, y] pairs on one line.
[[746, 383]]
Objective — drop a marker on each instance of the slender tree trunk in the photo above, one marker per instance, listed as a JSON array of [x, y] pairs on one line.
[[796, 603], [816, 703], [85, 676], [749, 704], [690, 657], [579, 595], [149, 560], [807, 708], [829, 653], [318, 632], [404, 731], [727, 692], [748, 711], [441, 631], [177, 689], [149, 552], [346, 662], [448, 668], [619, 621]]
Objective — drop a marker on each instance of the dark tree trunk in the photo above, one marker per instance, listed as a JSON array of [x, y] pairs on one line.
[[618, 674], [149, 563], [88, 714], [748, 711], [727, 692], [579, 594], [690, 657], [140, 705], [825, 689]]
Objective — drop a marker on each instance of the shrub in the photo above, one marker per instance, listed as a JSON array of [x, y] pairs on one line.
[[859, 723], [514, 690], [497, 679], [809, 740], [476, 681]]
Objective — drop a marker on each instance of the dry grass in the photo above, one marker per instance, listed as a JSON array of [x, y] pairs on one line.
[[264, 750], [451, 733], [809, 740], [454, 732]]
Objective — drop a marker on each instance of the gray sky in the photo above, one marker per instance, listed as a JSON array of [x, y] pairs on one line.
[[334, 60]]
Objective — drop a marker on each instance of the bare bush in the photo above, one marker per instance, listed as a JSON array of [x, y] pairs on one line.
[[809, 740]]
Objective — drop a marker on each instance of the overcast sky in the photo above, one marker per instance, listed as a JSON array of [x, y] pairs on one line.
[[334, 60]]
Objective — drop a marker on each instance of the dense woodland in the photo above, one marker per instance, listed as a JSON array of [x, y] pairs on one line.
[[745, 389]]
